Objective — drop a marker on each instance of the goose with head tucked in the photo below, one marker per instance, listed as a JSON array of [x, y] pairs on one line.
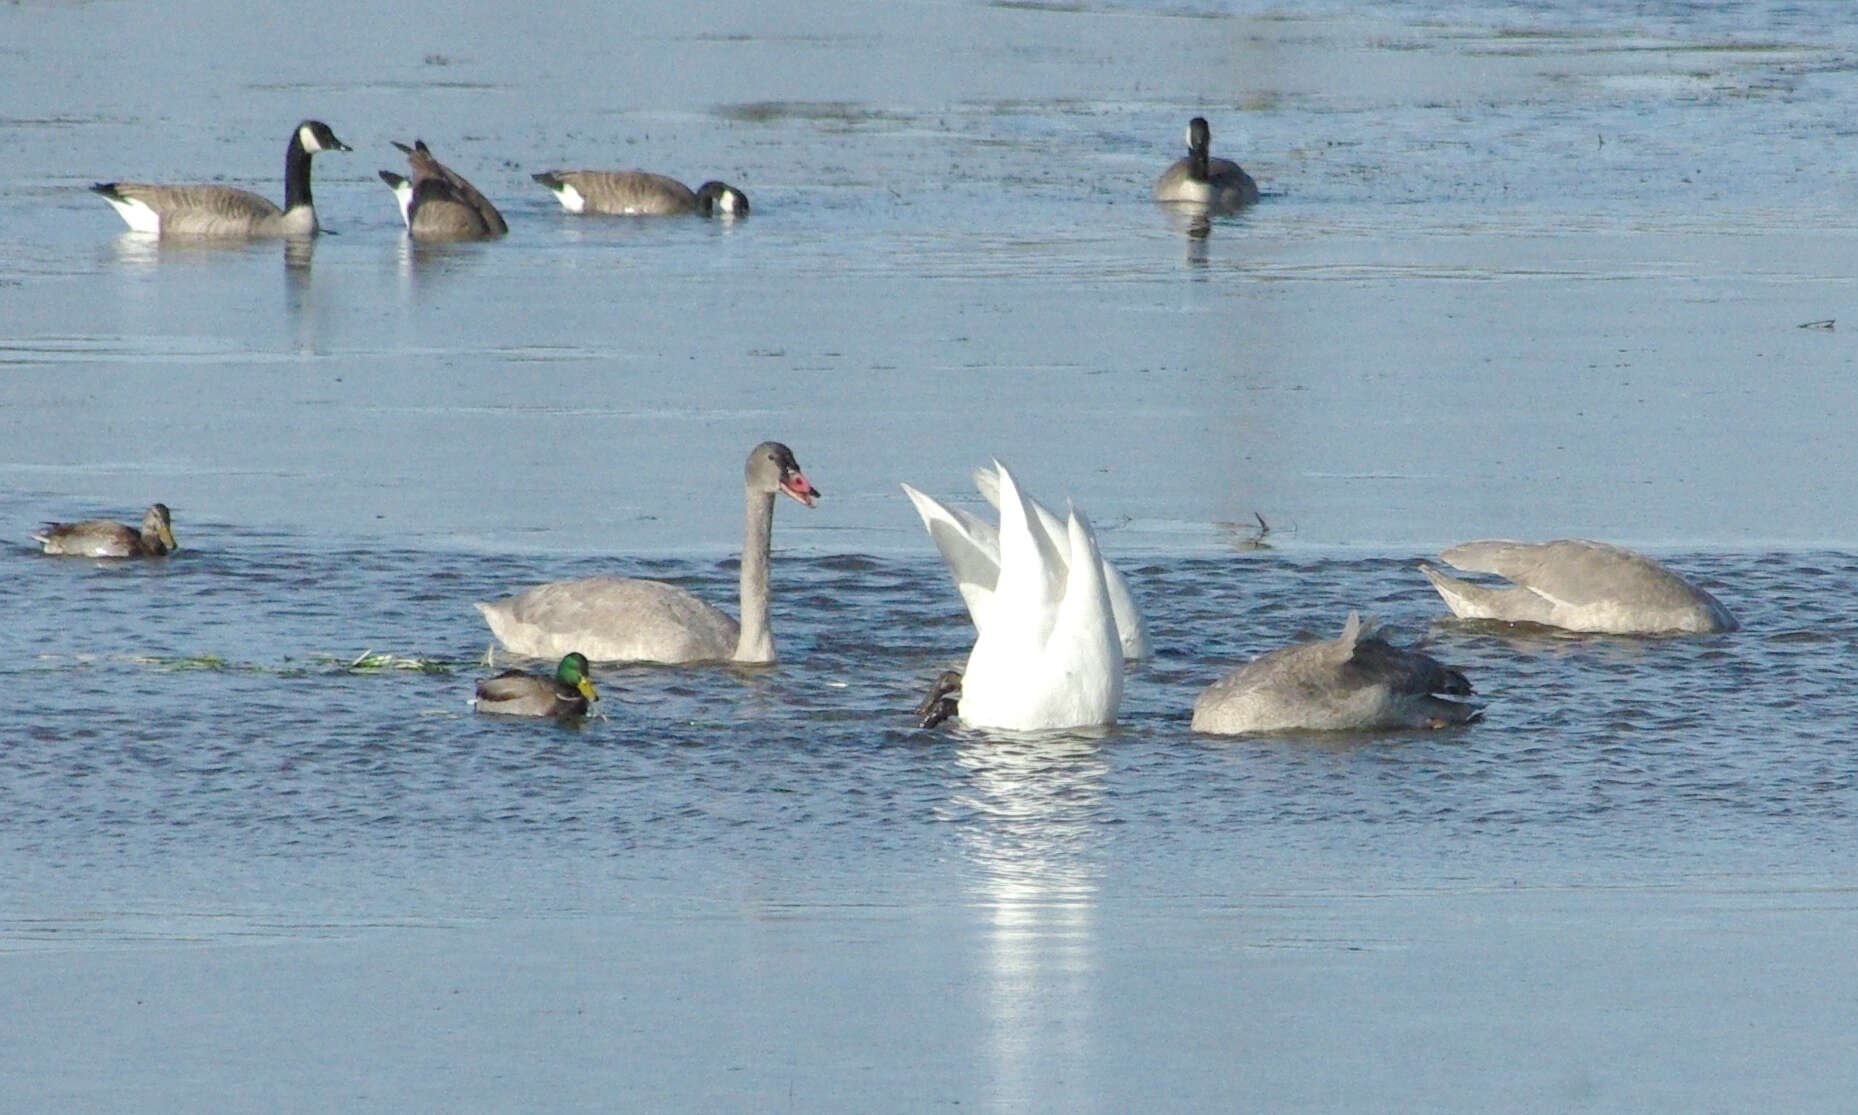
[[437, 203], [1216, 185], [623, 619], [639, 193], [102, 538], [224, 212], [515, 693], [1356, 682], [1579, 585], [1047, 655], [970, 548]]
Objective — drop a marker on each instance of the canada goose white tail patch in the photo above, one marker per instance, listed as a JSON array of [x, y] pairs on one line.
[[136, 214], [403, 193]]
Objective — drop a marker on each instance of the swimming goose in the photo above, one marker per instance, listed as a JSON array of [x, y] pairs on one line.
[[621, 619], [1047, 655], [515, 693], [1220, 185], [225, 212], [1356, 682], [1579, 585], [102, 538], [638, 193], [437, 204], [971, 549]]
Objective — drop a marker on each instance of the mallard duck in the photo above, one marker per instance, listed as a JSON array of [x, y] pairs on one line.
[[1577, 585], [102, 538], [515, 693], [438, 204], [625, 619], [1220, 185], [638, 193], [206, 212]]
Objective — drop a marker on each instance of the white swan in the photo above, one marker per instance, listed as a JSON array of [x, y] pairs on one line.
[[1048, 654], [1579, 585], [970, 547], [1354, 683], [620, 619]]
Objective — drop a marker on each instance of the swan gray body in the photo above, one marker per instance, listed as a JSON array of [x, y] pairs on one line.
[[224, 212], [639, 193], [1356, 682], [436, 202], [1579, 585], [102, 538], [1219, 185], [622, 619]]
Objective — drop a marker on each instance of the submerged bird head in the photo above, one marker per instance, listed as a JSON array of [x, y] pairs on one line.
[[720, 199]]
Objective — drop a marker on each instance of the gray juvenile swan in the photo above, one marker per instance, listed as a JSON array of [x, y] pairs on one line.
[[621, 619], [1220, 185], [1356, 682], [223, 212], [437, 203], [1578, 585], [638, 193], [102, 538]]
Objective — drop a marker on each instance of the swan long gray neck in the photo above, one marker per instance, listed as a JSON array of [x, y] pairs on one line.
[[756, 643], [296, 173]]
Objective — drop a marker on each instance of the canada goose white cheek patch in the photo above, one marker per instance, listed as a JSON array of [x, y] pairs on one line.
[[570, 198], [136, 214]]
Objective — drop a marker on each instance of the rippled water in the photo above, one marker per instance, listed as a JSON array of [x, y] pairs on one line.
[[1519, 270]]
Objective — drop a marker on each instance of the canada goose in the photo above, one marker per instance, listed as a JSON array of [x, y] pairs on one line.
[[638, 193], [515, 693], [971, 549], [102, 538], [1219, 185], [438, 204], [1578, 585], [622, 619], [1047, 655], [222, 211], [1356, 682]]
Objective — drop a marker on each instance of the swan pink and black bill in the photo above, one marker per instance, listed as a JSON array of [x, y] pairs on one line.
[[793, 481]]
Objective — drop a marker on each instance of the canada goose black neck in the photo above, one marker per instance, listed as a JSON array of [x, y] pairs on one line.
[[1199, 139]]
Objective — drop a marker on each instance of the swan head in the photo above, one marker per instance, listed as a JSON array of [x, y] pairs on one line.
[[573, 673], [772, 468], [1199, 136]]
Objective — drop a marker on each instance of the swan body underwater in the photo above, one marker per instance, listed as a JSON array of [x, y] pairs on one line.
[[102, 538], [1578, 585], [1047, 653], [970, 547], [561, 697], [1356, 682], [622, 619]]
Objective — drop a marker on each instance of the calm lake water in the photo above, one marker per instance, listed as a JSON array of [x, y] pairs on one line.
[[1517, 272]]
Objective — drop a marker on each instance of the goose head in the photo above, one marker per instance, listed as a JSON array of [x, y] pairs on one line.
[[772, 468], [1199, 136], [314, 136], [719, 199]]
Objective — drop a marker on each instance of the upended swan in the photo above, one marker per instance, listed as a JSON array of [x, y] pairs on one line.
[[437, 204], [1579, 585], [1356, 682], [621, 619], [1220, 185], [561, 697], [1047, 654], [970, 547], [103, 538], [207, 211]]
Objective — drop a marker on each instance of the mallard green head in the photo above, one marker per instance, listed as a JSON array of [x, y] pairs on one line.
[[573, 672]]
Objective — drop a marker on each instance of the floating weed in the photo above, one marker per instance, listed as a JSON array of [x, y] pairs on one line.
[[371, 662]]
